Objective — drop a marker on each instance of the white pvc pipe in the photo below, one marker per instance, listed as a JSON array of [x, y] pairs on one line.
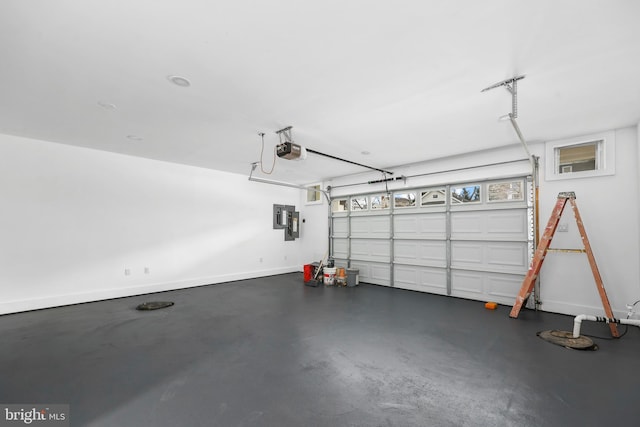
[[578, 321]]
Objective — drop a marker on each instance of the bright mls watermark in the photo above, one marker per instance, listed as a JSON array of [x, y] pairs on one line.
[[30, 414]]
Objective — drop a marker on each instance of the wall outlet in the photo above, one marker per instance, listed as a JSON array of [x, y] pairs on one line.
[[564, 227], [127, 272], [260, 259], [146, 270]]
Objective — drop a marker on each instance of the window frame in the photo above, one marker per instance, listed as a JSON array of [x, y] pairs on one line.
[[605, 161], [318, 200]]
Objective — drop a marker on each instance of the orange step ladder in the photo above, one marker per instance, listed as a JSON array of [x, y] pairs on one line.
[[543, 248]]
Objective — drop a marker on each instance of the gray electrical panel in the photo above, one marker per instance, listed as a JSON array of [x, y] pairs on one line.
[[285, 217]]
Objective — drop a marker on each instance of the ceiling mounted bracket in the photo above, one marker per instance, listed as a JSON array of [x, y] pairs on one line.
[[285, 134], [511, 85]]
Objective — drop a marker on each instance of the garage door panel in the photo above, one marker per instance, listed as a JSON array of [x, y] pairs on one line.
[[340, 248], [371, 227], [371, 250], [466, 284], [376, 273], [425, 279], [421, 252], [341, 262], [420, 226], [508, 257], [504, 286], [341, 227], [501, 288], [466, 254], [509, 224]]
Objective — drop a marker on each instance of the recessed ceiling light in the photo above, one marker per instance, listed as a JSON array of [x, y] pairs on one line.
[[365, 153], [179, 81], [135, 137], [107, 105]]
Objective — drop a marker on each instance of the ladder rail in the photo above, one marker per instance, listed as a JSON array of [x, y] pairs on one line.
[[594, 269], [538, 257], [543, 247]]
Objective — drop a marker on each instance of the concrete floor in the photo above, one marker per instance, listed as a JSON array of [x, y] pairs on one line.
[[272, 352]]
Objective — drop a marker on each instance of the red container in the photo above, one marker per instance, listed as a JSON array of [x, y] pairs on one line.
[[308, 272]]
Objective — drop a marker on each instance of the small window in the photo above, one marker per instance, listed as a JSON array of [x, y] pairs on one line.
[[380, 202], [404, 200], [506, 191], [578, 158], [339, 205], [467, 194], [314, 196], [433, 196], [359, 204], [582, 157]]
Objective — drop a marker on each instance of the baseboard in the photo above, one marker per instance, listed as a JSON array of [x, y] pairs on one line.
[[28, 304], [576, 309]]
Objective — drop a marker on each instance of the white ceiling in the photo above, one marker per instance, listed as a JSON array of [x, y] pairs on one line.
[[399, 79]]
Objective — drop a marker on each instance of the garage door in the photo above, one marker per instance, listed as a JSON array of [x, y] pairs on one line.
[[472, 240]]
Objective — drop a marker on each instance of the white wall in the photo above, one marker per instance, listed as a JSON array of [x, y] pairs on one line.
[[608, 205], [314, 229], [609, 209], [73, 219]]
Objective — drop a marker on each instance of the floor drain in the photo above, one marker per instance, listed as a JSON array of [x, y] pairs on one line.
[[154, 305], [567, 340]]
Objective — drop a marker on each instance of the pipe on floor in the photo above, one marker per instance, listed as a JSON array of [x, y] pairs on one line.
[[577, 322]]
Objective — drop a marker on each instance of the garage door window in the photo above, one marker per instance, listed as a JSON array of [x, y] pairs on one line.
[[380, 202], [433, 196], [359, 204], [404, 200], [339, 205], [506, 191], [465, 194]]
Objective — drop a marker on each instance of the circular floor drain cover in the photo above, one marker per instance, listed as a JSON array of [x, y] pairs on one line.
[[566, 339], [154, 305]]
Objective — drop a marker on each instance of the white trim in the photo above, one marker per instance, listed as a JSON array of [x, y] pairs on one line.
[[606, 161], [37, 303]]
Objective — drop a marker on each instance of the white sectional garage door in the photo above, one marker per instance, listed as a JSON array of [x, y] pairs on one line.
[[472, 240]]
